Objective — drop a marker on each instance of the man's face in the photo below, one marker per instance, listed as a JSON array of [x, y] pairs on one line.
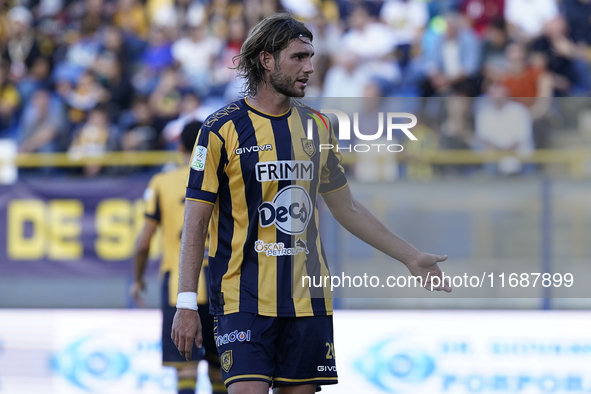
[[293, 68]]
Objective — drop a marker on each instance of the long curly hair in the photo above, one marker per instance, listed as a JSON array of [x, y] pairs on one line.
[[272, 35]]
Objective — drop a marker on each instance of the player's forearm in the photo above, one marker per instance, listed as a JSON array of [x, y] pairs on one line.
[[192, 246], [140, 262], [142, 252]]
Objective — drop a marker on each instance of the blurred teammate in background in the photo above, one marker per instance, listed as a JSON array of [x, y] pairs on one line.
[[257, 175], [165, 199]]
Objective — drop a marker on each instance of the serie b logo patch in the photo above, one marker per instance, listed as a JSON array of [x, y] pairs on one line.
[[227, 360], [308, 146], [199, 155]]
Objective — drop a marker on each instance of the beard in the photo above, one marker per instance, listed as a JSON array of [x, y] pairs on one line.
[[283, 84]]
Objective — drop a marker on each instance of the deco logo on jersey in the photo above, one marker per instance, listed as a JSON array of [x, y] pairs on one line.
[[254, 148], [290, 211], [284, 170]]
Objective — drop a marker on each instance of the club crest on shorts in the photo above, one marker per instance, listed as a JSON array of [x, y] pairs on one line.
[[227, 360], [308, 146]]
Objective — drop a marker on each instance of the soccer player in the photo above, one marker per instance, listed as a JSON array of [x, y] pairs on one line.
[[165, 199], [257, 176]]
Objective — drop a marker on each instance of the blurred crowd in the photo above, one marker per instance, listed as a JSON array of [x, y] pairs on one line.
[[90, 76]]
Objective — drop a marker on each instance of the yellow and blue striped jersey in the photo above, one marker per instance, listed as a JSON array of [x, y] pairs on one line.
[[263, 177], [165, 203]]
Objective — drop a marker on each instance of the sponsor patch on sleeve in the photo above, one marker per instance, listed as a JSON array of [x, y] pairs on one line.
[[198, 162]]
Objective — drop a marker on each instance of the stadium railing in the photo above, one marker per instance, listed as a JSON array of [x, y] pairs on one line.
[[577, 161]]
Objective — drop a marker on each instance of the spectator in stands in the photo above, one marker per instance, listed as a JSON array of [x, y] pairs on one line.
[[43, 127], [93, 138], [51, 21], [346, 8], [529, 83], [373, 44], [568, 65], [183, 12], [526, 18], [482, 13], [367, 38], [347, 67], [493, 49], [327, 36], [117, 84], [578, 16], [10, 101], [131, 18], [95, 54], [156, 57], [113, 41], [196, 53], [222, 73], [165, 100], [522, 79], [22, 47], [456, 127], [87, 94], [406, 19], [257, 10], [191, 110], [454, 58], [80, 55], [217, 15], [504, 125], [37, 78], [88, 15], [140, 130]]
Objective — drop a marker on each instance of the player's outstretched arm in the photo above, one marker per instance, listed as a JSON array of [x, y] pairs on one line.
[[141, 260], [364, 225], [186, 326]]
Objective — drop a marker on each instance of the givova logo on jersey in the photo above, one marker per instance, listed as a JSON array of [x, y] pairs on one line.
[[290, 211]]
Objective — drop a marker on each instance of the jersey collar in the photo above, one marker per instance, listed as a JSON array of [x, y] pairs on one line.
[[266, 115]]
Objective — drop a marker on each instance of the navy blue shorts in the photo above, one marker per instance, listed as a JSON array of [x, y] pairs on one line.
[[170, 353], [282, 351]]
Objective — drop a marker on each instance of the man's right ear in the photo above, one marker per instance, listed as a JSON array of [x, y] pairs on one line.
[[267, 60]]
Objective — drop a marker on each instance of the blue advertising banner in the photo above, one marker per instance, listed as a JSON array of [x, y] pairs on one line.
[[394, 352], [71, 226]]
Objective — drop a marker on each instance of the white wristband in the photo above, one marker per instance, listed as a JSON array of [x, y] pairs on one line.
[[187, 300]]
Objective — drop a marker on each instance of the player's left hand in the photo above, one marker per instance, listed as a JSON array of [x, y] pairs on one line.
[[426, 267], [186, 329], [134, 291]]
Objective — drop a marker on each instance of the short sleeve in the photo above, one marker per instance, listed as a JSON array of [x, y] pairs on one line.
[[207, 164], [152, 200], [333, 176]]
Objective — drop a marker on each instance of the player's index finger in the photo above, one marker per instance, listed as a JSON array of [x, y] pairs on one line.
[[188, 347], [199, 337]]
